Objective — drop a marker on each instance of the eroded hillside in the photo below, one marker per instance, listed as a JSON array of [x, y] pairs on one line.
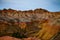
[[38, 23]]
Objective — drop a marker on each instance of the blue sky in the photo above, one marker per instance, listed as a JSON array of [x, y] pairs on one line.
[[51, 5]]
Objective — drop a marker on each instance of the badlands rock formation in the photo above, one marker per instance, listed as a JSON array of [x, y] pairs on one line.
[[38, 23]]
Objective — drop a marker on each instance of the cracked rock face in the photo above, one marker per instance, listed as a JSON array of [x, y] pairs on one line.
[[38, 23]]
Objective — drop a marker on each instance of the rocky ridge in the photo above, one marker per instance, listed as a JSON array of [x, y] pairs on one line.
[[38, 23]]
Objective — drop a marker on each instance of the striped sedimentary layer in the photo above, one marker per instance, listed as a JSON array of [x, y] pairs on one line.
[[38, 23]]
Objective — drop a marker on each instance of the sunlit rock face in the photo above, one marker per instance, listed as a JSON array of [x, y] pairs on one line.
[[12, 38], [8, 38], [38, 23]]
